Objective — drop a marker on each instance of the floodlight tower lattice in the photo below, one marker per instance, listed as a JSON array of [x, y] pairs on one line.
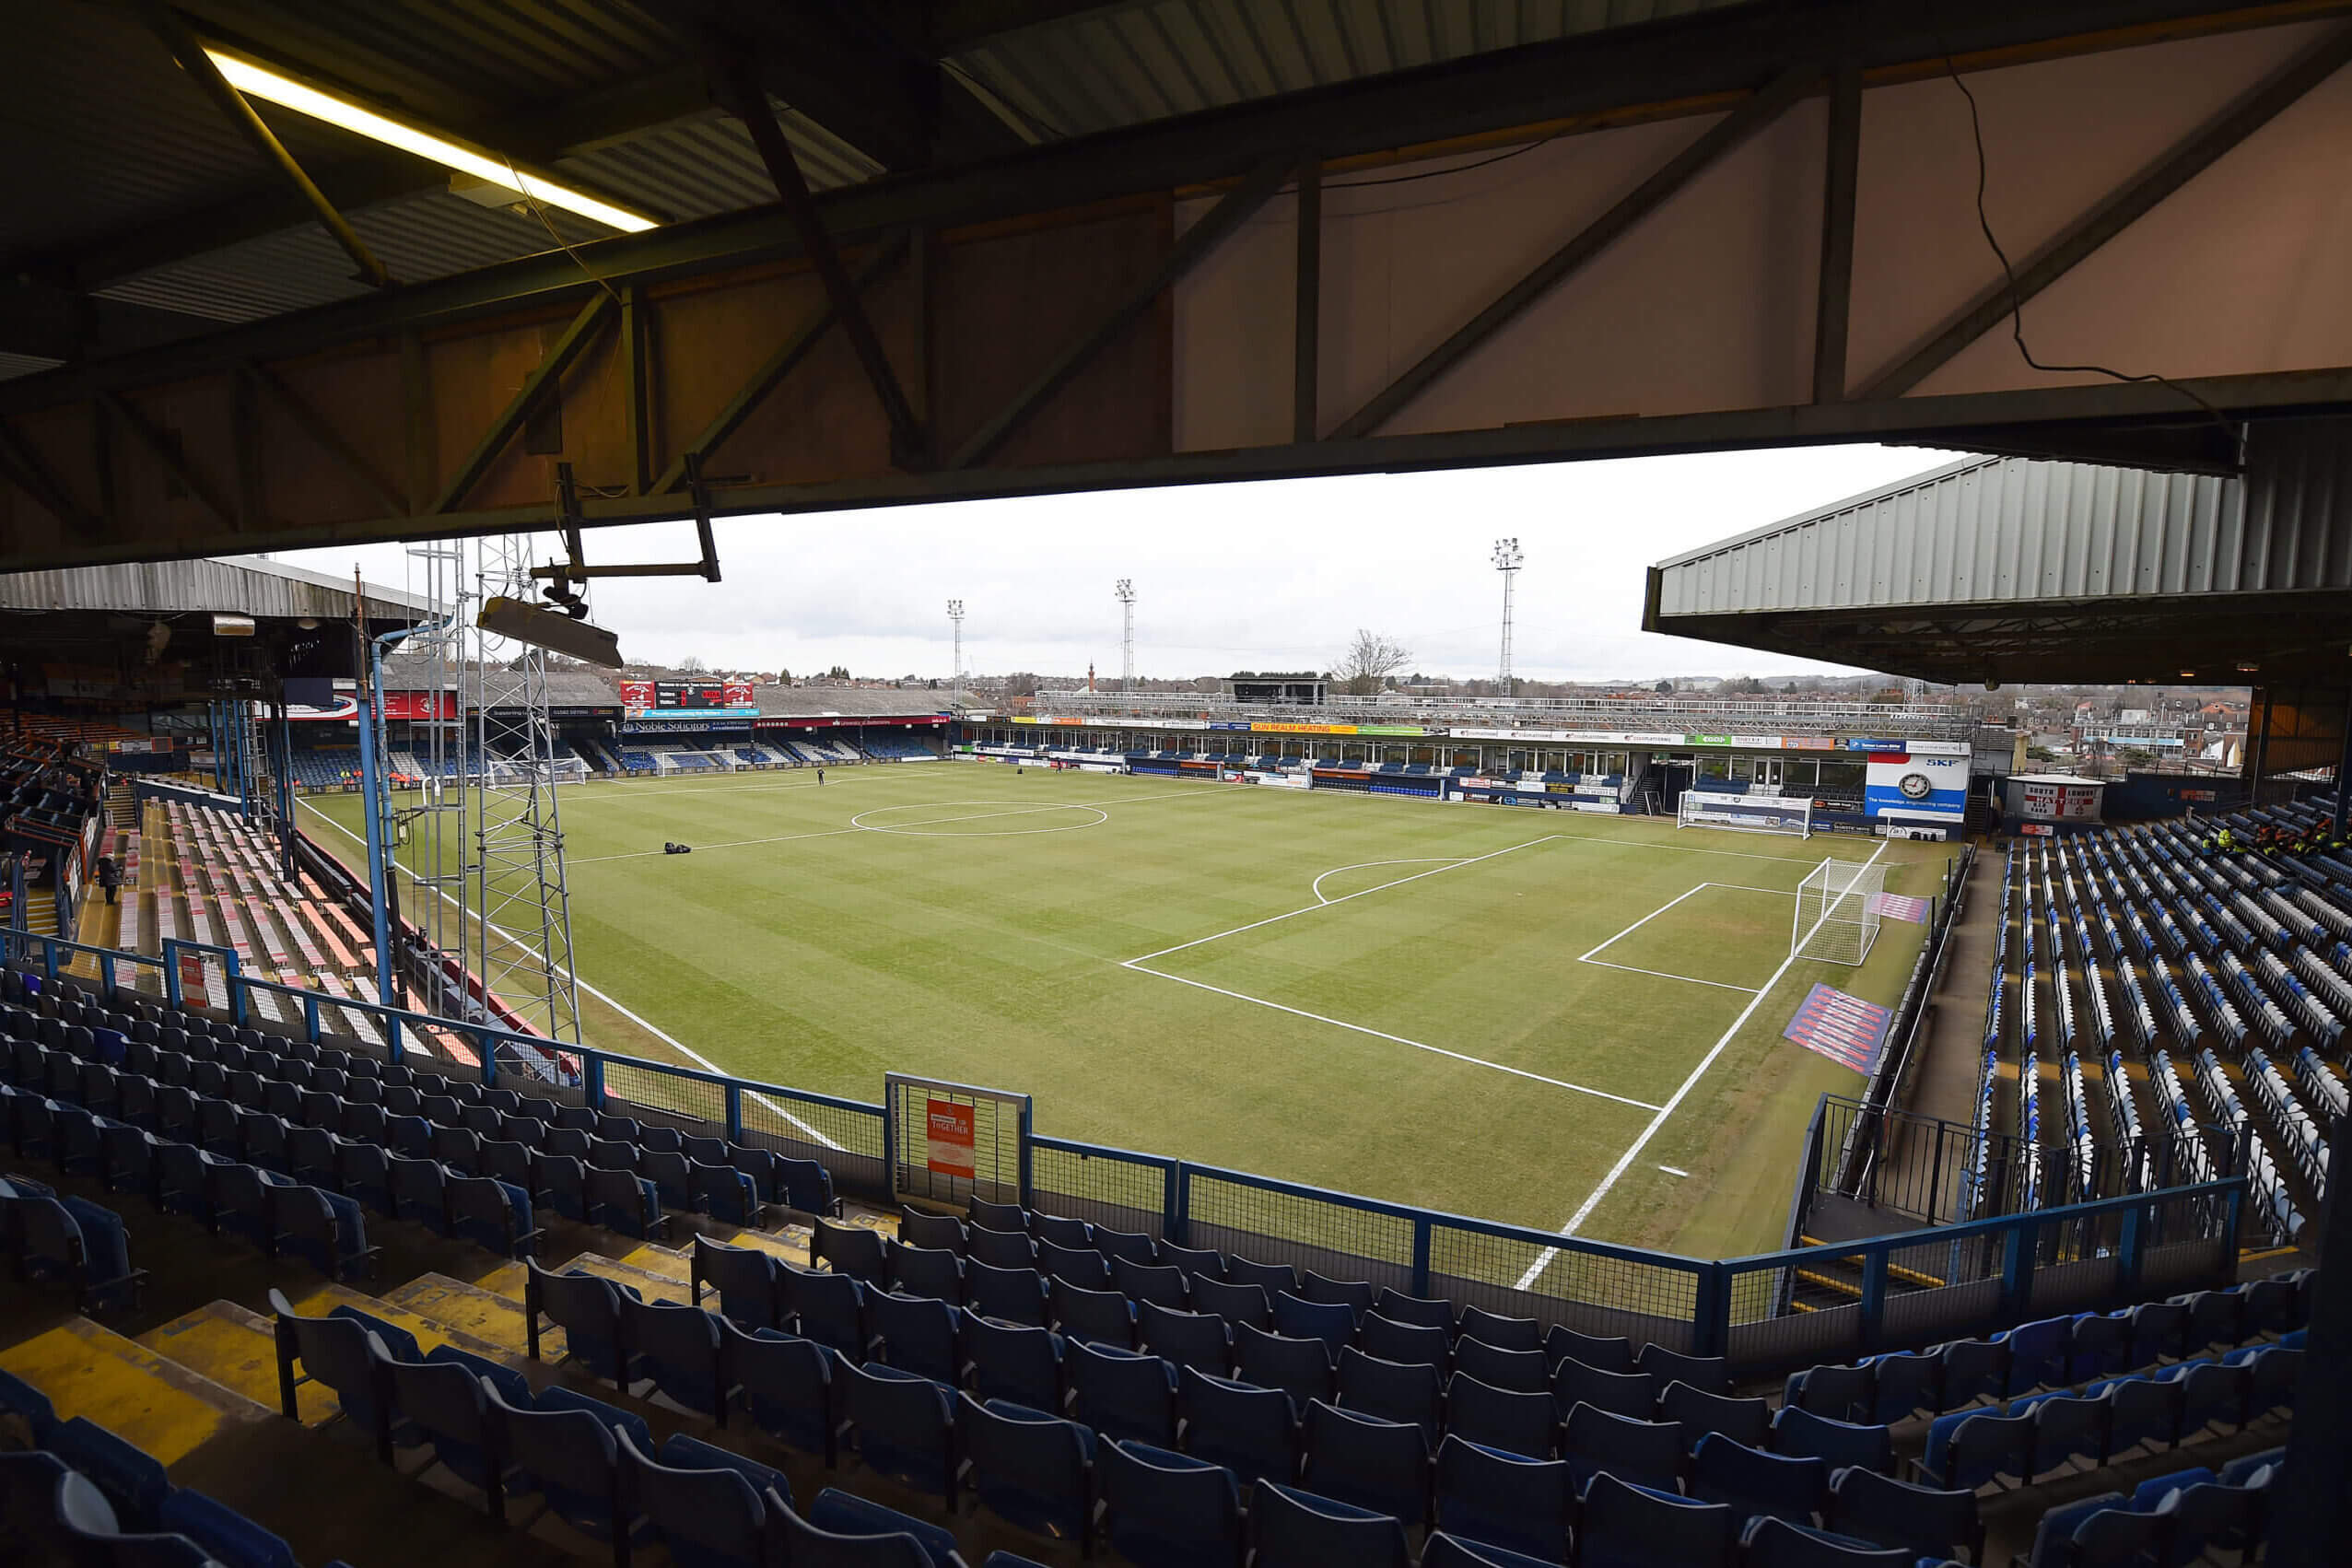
[[1126, 595], [1508, 557], [955, 623]]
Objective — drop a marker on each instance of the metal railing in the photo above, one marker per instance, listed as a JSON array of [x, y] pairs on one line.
[[1991, 1272]]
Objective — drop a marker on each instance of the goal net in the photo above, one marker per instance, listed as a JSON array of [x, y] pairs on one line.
[[1837, 912], [1744, 813]]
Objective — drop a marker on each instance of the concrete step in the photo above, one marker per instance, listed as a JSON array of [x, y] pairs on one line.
[[665, 1261], [430, 1332], [790, 1243], [153, 1401], [238, 1349], [652, 1286], [490, 1317]]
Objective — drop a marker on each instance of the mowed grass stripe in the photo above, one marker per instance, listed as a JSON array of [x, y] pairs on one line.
[[823, 961]]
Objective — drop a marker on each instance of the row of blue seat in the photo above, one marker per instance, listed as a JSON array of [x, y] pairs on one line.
[[74, 1491], [70, 1238], [2169, 1521]]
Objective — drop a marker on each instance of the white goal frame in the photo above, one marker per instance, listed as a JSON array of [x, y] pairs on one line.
[[1837, 915], [1789, 816]]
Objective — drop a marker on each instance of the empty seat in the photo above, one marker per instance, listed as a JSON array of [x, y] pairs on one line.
[[1186, 1338], [1000, 1249], [1698, 1413], [1625, 1526], [1033, 1471], [1924, 1521], [1415, 1345], [622, 1200], [999, 1216], [1084, 1268], [1620, 1393], [420, 1191], [1751, 1482], [493, 1214], [1017, 1362], [1332, 1322], [1399, 1307], [678, 1347], [787, 1386], [1120, 1394], [1291, 1527], [1968, 1449], [1561, 1344], [1371, 1463], [902, 1425], [850, 1250], [571, 1457], [914, 1334], [1840, 1443], [184, 1176], [944, 1231], [1061, 1230], [1169, 1510], [2094, 1533], [1150, 1283], [704, 1504], [1646, 1453], [1710, 1374], [1777, 1543], [1103, 1317], [847, 1531], [1903, 1384], [588, 1309], [1237, 1304], [1392, 1390], [441, 1403], [1133, 1247], [1301, 1368], [826, 1307], [1193, 1262], [801, 1184], [1250, 1431], [1525, 1372], [1271, 1278], [1356, 1295], [1511, 1420], [924, 1270], [1841, 1393], [323, 1229], [560, 1181]]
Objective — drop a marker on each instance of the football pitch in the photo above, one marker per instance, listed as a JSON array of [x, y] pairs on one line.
[[1544, 1018]]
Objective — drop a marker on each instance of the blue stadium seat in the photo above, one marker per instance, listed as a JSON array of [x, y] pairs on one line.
[[493, 1215], [1301, 1368], [1391, 1391], [1356, 1295], [1748, 1422], [1091, 1317], [1167, 1510], [1523, 1372], [1805, 1435], [1193, 1262], [1131, 1246], [131, 1479], [1237, 1304], [2037, 1353], [1271, 1278], [745, 1277], [678, 1347], [324, 1229], [1421, 1311], [588, 1309], [1018, 1363], [228, 1537], [1293, 1528], [1411, 1344], [1365, 1461], [1250, 1431], [1561, 1343], [1968, 1449], [944, 1231], [2066, 1427], [1625, 1526], [441, 1403], [1923, 1521], [2159, 1332], [1841, 1393], [850, 1250], [1710, 1374], [914, 1334], [1081, 1267], [1161, 1284], [2093, 1533], [570, 1456], [1627, 1394], [1647, 1453], [81, 1527], [1033, 1471], [826, 1307], [78, 1241], [1186, 1338], [1000, 1249], [1510, 1501], [1296, 1317], [1516, 1423], [1973, 1370], [996, 1216], [787, 1385], [925, 1271], [702, 1503], [1009, 1295], [847, 1531], [1751, 1482], [1502, 1333], [1770, 1542], [902, 1425], [1122, 1394]]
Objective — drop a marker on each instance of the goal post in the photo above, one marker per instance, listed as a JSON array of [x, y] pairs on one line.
[[1745, 813], [1837, 912]]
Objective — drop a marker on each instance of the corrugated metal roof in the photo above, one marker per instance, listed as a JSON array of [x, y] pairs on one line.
[[1125, 64], [238, 585], [2014, 530]]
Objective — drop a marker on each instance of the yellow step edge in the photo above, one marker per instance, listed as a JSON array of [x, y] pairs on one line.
[[237, 1349], [476, 1313], [430, 1335], [780, 1246], [652, 1287], [161, 1407], [1843, 1287], [663, 1261]]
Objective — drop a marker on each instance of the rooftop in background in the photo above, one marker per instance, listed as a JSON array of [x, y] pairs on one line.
[[226, 585], [2016, 570], [1677, 715]]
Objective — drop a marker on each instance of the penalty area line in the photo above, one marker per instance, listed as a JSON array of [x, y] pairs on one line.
[[1625, 1160], [1136, 964]]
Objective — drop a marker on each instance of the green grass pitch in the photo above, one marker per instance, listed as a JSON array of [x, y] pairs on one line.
[[1432, 1004]]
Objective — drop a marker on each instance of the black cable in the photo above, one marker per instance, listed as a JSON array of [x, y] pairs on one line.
[[2016, 303], [1435, 173]]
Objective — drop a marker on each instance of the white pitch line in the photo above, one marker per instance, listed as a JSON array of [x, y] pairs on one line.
[[1316, 886], [1624, 1161], [660, 1034], [1328, 902], [1136, 964], [1672, 1172], [1586, 956], [1665, 975]]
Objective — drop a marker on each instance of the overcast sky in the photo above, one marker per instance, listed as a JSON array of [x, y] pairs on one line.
[[1232, 577]]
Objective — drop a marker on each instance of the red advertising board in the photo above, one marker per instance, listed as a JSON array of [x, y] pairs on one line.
[[636, 694], [735, 694], [949, 1130], [192, 980]]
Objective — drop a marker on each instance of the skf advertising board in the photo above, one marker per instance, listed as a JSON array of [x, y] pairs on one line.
[[1911, 785]]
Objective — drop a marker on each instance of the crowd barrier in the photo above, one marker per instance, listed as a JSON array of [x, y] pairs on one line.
[[1955, 1280]]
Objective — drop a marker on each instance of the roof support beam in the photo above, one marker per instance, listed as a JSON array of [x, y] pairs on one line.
[[778, 365], [1231, 212], [168, 453], [1842, 167], [240, 113], [19, 461], [2122, 207], [909, 442], [1306, 346], [1725, 134], [543, 381], [308, 420]]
